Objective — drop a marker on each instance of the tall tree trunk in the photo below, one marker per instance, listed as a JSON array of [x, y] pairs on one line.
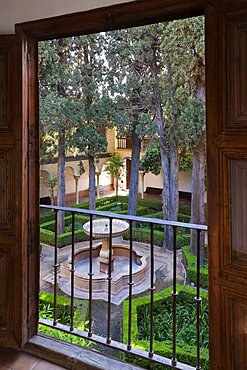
[[61, 183], [116, 185], [167, 200], [173, 192], [173, 183], [134, 174], [167, 242], [198, 194], [92, 197]]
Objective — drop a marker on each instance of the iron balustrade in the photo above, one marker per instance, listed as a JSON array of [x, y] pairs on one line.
[[89, 335]]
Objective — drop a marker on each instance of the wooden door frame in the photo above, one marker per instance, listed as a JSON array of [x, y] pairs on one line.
[[122, 16]]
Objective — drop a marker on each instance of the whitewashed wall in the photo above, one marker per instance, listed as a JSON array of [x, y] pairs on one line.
[[18, 11], [150, 180]]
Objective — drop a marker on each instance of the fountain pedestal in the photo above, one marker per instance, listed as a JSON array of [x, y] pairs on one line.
[[101, 230], [104, 257]]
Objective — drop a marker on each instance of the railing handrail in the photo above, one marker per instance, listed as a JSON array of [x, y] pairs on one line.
[[154, 221]]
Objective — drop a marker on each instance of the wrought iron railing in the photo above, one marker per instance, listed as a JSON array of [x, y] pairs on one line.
[[107, 341]]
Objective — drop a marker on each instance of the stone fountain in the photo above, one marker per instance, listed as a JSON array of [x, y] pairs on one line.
[[101, 230], [100, 264]]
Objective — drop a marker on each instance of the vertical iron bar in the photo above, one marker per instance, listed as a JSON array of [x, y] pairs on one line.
[[72, 270], [198, 301], [130, 283], [174, 299], [55, 265], [152, 288], [90, 277], [108, 341]]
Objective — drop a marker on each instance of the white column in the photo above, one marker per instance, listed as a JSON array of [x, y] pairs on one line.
[[76, 177]]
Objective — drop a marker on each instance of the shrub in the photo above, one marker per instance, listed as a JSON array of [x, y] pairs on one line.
[[63, 315], [143, 235], [190, 263], [150, 204], [184, 208], [46, 216], [185, 352], [182, 217], [48, 237]]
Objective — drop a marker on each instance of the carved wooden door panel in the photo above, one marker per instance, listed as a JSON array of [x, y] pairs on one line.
[[12, 265], [227, 177]]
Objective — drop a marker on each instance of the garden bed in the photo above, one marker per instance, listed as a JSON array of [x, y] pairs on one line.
[[190, 263], [186, 333], [46, 311], [119, 205]]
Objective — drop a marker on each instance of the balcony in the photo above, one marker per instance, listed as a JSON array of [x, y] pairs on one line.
[[125, 142], [139, 268]]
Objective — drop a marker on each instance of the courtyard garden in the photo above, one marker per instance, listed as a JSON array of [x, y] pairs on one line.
[[186, 307], [117, 204]]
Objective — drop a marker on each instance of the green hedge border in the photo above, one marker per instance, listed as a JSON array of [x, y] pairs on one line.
[[185, 353], [80, 318], [141, 234], [190, 262]]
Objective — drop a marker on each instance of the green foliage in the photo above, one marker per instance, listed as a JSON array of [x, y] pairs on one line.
[[114, 164], [142, 234], [51, 183], [151, 161], [184, 208], [185, 352], [185, 158], [81, 168], [116, 204], [186, 316], [190, 262], [46, 311], [193, 120]]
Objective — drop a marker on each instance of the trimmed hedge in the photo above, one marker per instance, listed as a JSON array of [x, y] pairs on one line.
[[184, 208], [46, 301], [48, 237], [190, 262], [46, 217], [182, 217], [63, 304], [185, 353], [142, 234]]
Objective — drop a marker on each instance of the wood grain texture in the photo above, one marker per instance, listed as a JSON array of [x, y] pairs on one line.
[[73, 357], [6, 191], [3, 291], [13, 223], [239, 211], [3, 90], [136, 13], [225, 38], [237, 47], [226, 142]]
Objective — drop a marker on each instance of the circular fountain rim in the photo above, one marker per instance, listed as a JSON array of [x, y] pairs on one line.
[[119, 227]]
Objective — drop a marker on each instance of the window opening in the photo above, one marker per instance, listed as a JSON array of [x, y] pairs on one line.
[[113, 257]]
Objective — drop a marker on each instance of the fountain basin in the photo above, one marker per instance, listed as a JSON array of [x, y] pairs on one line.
[[101, 228], [120, 275]]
